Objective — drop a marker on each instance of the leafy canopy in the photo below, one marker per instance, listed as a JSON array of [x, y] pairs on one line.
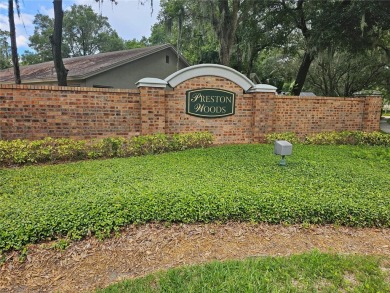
[[84, 33]]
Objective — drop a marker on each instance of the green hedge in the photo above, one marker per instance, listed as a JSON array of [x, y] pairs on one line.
[[18, 152], [335, 138]]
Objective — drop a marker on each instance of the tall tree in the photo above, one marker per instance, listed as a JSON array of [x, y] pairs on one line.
[[302, 23], [224, 18], [56, 43], [5, 50], [342, 73], [12, 31], [192, 25], [350, 24], [258, 29], [39, 41], [84, 32]]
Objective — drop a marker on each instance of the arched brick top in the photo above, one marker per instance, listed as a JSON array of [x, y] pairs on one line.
[[209, 69]]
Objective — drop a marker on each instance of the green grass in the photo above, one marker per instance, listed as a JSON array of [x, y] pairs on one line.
[[311, 272], [321, 184]]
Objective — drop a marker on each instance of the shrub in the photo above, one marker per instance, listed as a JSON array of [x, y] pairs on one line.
[[335, 138], [18, 152], [375, 138], [349, 138], [289, 136]]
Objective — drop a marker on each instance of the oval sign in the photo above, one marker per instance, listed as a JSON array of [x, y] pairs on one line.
[[210, 103]]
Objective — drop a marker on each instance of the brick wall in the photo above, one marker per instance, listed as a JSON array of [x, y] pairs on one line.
[[152, 110], [356, 113], [35, 112], [308, 115]]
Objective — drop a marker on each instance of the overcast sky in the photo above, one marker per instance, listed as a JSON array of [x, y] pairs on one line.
[[129, 18]]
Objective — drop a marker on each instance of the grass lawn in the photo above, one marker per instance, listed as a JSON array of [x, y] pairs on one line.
[[312, 272], [345, 185]]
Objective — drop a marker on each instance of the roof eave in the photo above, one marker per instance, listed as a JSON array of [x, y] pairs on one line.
[[29, 81], [115, 65]]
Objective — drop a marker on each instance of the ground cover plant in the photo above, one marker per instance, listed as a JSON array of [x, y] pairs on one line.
[[310, 272], [346, 185]]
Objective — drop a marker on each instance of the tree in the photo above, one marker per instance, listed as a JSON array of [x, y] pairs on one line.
[[221, 15], [132, 44], [302, 16], [5, 50], [349, 24], [39, 41], [84, 33], [87, 33], [202, 31], [224, 18], [12, 31], [87, 45], [342, 73], [56, 43], [258, 30]]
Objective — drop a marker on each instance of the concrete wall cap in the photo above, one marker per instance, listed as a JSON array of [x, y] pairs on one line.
[[209, 70], [151, 82], [262, 88]]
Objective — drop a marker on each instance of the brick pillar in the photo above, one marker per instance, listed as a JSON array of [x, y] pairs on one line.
[[263, 112], [371, 113], [152, 96]]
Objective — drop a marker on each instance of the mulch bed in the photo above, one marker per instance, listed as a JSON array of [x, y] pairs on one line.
[[139, 250]]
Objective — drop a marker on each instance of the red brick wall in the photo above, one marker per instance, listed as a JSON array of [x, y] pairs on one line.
[[307, 115], [371, 113], [35, 112], [152, 110]]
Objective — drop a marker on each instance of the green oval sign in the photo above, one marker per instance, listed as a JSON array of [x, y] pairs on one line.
[[210, 103]]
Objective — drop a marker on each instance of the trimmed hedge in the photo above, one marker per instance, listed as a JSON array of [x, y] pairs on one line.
[[335, 138], [50, 150]]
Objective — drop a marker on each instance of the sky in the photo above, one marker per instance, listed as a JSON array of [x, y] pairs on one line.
[[129, 18]]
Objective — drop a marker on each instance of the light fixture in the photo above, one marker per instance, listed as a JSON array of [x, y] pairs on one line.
[[283, 148]]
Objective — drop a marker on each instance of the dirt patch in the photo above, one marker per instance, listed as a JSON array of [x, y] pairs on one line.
[[140, 250]]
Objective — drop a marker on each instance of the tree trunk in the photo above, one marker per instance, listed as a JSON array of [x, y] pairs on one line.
[[14, 48], [56, 41], [224, 52], [225, 24], [302, 73]]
